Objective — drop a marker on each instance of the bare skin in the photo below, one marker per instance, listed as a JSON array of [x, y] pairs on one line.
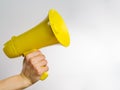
[[34, 66]]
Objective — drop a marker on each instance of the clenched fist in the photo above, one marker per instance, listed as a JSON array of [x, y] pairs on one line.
[[34, 66]]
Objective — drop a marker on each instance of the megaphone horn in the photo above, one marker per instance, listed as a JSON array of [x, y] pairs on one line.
[[51, 30]]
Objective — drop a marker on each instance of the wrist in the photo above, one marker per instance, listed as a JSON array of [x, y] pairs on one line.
[[17, 82], [27, 82]]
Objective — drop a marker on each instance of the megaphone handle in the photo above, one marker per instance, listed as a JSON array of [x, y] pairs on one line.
[[45, 74]]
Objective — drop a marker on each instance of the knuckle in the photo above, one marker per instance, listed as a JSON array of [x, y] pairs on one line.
[[47, 68], [43, 56], [45, 61], [40, 56], [42, 70]]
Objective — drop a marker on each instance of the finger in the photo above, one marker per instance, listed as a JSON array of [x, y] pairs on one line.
[[45, 69], [35, 53], [42, 70], [38, 66], [36, 59], [43, 63]]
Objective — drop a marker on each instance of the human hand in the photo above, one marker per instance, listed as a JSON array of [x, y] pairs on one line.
[[34, 66]]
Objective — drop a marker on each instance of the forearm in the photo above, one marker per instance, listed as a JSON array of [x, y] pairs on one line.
[[16, 82], [33, 67]]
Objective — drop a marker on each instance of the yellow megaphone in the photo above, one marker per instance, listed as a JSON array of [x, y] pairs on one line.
[[51, 30]]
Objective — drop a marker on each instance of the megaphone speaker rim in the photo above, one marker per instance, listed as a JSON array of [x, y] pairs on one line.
[[59, 27]]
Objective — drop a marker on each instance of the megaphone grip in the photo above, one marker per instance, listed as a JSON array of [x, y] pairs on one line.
[[45, 74]]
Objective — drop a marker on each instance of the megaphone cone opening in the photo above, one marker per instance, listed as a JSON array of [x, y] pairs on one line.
[[59, 27]]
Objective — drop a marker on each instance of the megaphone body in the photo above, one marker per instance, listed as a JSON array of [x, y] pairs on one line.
[[51, 30]]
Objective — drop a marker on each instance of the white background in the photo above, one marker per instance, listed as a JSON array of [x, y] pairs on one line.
[[91, 62]]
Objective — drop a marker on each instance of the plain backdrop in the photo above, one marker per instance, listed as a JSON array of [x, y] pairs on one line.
[[91, 62]]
